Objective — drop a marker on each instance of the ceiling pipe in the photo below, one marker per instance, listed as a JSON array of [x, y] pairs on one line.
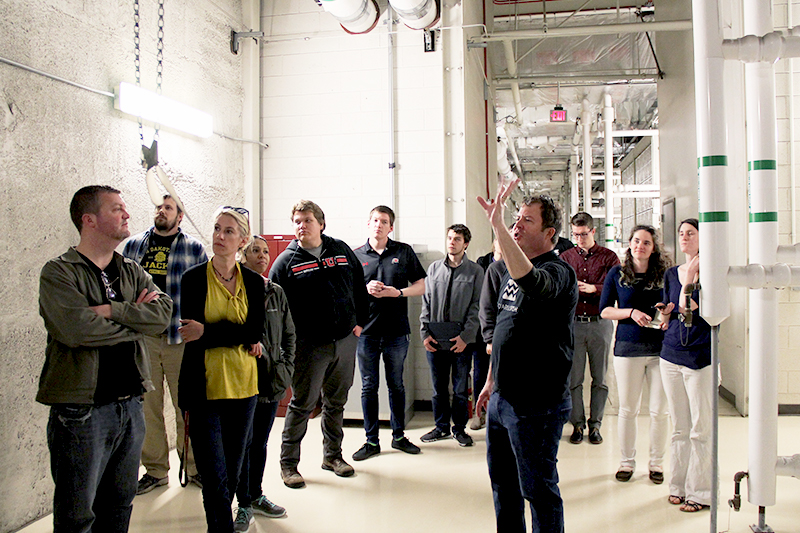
[[763, 47], [584, 31], [390, 49], [762, 165], [755, 276], [573, 181], [608, 120], [416, 14], [504, 83], [355, 16], [712, 163], [586, 117], [511, 64]]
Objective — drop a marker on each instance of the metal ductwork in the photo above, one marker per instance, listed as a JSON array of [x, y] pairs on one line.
[[355, 16], [417, 14]]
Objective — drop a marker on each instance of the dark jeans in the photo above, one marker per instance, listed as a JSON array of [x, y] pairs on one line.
[[255, 457], [319, 371], [394, 350], [521, 451], [445, 364], [94, 459], [480, 369], [220, 430]]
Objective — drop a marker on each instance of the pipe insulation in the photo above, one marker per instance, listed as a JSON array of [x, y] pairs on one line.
[[768, 48], [573, 181], [586, 117], [608, 120], [788, 466], [712, 161], [789, 254], [762, 155], [355, 16], [755, 276], [416, 14]]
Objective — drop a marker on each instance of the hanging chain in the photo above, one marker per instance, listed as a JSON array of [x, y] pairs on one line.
[[136, 61], [159, 56]]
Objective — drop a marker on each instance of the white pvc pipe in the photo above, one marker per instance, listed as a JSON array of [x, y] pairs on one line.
[[789, 254], [762, 47], [756, 276], [788, 466], [634, 133], [511, 64], [762, 155], [390, 46], [586, 117], [712, 161], [416, 14], [608, 119], [355, 16], [573, 180], [655, 170], [600, 29]]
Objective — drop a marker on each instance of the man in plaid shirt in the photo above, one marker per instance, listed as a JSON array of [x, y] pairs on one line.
[[165, 252]]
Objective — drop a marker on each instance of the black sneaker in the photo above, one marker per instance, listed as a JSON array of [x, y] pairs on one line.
[[405, 445], [462, 438], [366, 451], [148, 483], [577, 435], [624, 475], [265, 507], [434, 435]]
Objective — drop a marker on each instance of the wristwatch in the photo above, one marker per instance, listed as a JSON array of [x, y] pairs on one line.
[[401, 293]]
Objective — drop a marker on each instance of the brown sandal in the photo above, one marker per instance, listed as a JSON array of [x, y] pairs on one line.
[[675, 500], [692, 507]]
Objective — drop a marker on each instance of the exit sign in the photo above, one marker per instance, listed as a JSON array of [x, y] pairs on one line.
[[558, 115]]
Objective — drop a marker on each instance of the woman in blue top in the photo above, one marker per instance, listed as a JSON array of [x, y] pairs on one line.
[[636, 288], [687, 376]]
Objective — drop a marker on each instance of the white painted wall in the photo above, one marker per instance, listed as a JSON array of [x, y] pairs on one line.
[[325, 116], [55, 138]]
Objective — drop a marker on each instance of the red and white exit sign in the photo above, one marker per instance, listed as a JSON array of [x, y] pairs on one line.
[[558, 115]]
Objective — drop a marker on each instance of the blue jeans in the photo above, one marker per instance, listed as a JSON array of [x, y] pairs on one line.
[[255, 456], [94, 459], [394, 350], [521, 451], [219, 431], [480, 369], [442, 363]]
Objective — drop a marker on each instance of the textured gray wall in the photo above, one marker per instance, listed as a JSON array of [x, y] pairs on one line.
[[55, 138]]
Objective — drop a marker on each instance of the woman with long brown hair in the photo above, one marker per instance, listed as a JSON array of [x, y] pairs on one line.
[[636, 287]]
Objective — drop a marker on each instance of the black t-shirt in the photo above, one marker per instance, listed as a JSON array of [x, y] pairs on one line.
[[398, 267], [117, 375], [156, 257]]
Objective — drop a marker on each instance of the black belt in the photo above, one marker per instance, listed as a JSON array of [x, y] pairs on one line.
[[585, 319]]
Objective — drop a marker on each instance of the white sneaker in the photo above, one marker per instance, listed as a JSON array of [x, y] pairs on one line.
[[478, 422]]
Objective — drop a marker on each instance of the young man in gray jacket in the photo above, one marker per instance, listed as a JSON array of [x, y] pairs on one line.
[[449, 328], [97, 306]]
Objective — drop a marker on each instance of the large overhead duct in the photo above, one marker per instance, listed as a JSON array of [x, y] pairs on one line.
[[417, 14], [355, 16]]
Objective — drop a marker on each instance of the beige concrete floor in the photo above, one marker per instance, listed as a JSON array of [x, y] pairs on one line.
[[446, 488]]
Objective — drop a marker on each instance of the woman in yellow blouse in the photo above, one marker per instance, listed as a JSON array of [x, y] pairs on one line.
[[222, 322]]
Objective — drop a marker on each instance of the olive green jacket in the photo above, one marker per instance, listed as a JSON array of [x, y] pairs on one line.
[[67, 288]]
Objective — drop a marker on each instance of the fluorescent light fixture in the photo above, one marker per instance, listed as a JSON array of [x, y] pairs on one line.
[[161, 110]]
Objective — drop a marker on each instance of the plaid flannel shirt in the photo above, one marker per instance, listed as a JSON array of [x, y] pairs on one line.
[[185, 252]]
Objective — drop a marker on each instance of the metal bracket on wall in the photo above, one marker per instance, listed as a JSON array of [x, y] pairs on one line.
[[237, 36]]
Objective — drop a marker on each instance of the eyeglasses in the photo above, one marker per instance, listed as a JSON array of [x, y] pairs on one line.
[[110, 293], [579, 235]]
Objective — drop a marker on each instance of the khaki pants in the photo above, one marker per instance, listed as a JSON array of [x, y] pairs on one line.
[[165, 362]]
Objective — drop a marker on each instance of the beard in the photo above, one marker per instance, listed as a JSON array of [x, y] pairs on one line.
[[165, 224]]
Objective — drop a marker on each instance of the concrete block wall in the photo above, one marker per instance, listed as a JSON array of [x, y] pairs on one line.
[[325, 116], [56, 138], [786, 13]]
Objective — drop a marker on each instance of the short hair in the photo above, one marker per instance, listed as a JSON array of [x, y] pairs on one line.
[[582, 219], [462, 230], [386, 211], [551, 213], [691, 221], [304, 206], [242, 220], [87, 201], [249, 248], [169, 197]]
